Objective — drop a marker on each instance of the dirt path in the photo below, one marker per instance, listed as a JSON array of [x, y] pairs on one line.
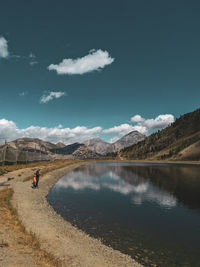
[[56, 236], [12, 250], [17, 248]]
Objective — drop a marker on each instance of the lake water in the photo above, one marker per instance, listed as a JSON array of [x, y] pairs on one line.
[[149, 211]]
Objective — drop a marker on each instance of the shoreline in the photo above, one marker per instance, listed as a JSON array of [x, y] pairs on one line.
[[71, 246], [173, 162]]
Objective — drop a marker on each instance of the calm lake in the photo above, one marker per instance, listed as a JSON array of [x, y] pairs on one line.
[[149, 211]]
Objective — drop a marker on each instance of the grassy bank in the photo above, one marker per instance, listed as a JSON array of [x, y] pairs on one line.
[[14, 167]]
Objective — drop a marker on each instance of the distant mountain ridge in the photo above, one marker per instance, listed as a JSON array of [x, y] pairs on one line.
[[91, 149], [32, 144], [44, 150], [67, 150], [179, 141], [77, 150], [101, 147]]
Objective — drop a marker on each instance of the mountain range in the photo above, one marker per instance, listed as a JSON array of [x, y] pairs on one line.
[[101, 147], [93, 148]]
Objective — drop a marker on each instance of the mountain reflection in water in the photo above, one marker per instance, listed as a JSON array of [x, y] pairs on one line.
[[149, 211]]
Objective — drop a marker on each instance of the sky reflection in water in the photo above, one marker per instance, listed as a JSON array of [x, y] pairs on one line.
[[150, 211], [140, 192]]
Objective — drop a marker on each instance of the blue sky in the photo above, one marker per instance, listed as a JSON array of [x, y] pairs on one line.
[[72, 70]]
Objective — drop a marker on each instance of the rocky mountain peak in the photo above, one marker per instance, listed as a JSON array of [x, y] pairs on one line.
[[101, 147], [127, 140]]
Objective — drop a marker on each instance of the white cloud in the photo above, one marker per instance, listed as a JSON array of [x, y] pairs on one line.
[[95, 60], [3, 48], [159, 122], [140, 128], [141, 125], [137, 118], [10, 131], [125, 128], [120, 129], [50, 96]]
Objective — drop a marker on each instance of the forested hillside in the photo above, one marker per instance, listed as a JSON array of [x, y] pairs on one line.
[[180, 140]]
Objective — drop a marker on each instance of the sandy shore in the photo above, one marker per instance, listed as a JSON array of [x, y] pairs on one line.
[[71, 246]]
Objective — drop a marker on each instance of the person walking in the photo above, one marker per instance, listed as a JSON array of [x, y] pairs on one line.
[[37, 174]]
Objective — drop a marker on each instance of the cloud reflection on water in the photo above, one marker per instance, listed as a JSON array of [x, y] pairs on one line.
[[139, 191]]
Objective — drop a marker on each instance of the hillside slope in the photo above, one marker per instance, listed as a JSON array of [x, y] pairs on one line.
[[171, 142], [127, 140], [31, 144], [67, 150]]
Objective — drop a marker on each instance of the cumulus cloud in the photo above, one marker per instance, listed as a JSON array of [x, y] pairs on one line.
[[137, 118], [50, 96], [141, 125], [120, 129], [126, 128], [3, 48], [10, 131], [95, 60], [161, 121]]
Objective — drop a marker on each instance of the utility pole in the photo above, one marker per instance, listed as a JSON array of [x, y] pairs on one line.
[[35, 154], [4, 153], [16, 154], [26, 154]]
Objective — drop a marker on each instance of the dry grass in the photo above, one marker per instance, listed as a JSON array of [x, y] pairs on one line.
[[51, 166], [20, 238], [45, 166], [9, 168]]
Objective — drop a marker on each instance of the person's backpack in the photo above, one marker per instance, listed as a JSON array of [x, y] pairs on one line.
[[34, 180]]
